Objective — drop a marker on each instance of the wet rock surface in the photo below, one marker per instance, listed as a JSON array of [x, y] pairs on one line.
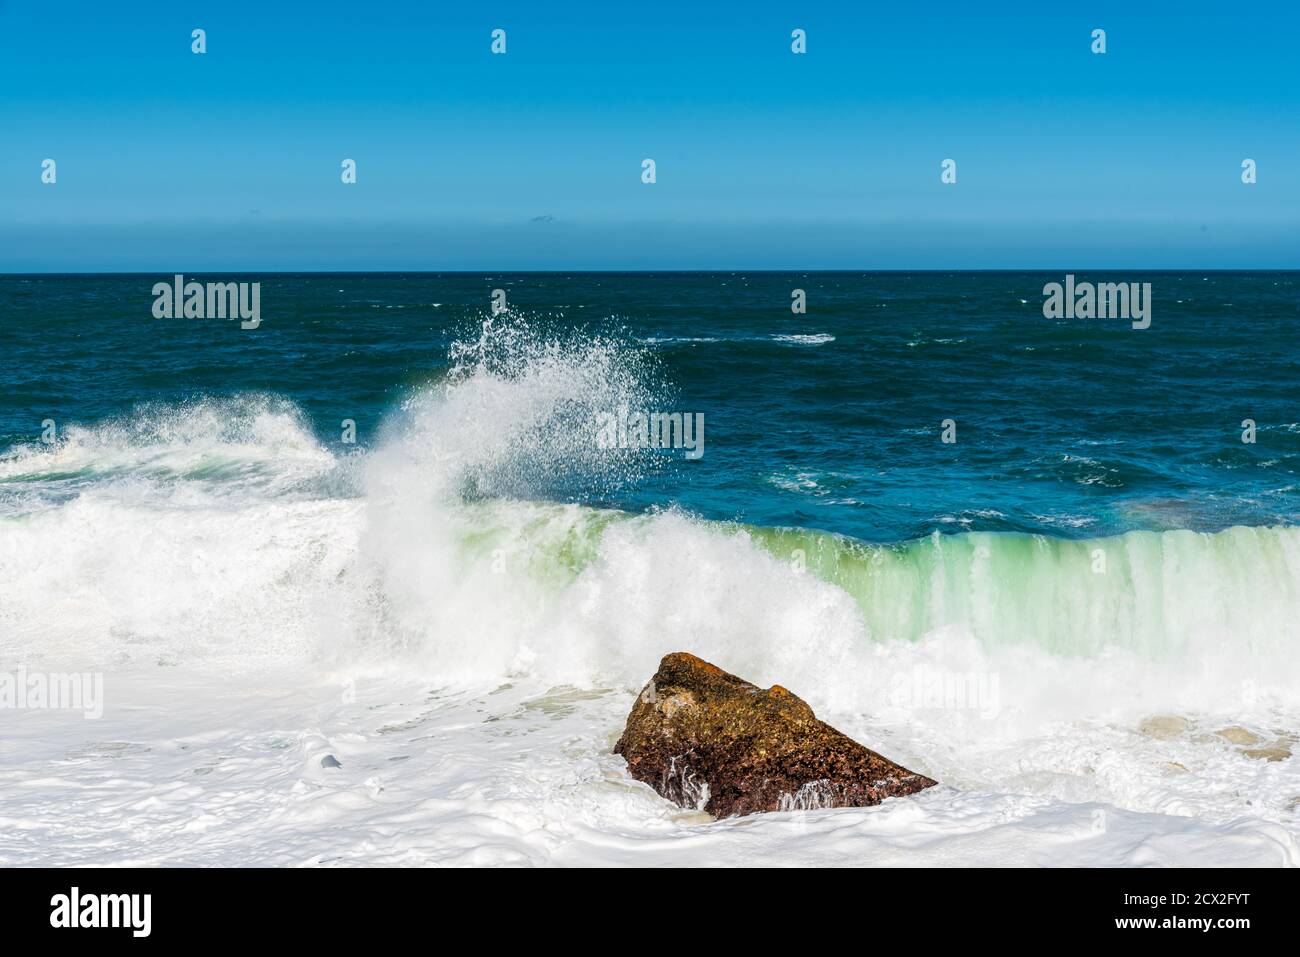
[[1245, 741], [1238, 735], [706, 739]]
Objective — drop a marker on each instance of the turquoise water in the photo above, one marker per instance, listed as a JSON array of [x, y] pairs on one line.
[[829, 420]]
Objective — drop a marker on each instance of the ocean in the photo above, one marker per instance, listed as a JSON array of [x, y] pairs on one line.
[[367, 583]]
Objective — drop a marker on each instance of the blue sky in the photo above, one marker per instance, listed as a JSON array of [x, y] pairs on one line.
[[765, 159]]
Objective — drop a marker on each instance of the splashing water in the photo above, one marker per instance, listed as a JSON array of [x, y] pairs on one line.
[[222, 538]]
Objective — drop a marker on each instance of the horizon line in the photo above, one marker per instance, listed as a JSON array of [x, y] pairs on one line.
[[397, 271]]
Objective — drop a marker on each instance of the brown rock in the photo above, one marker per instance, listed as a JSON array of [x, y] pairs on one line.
[[1277, 753], [706, 739], [1164, 726], [1239, 735]]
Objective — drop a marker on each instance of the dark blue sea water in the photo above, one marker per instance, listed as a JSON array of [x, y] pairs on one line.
[[827, 420]]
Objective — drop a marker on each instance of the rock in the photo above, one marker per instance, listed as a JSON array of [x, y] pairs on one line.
[[708, 740], [1239, 735], [1277, 753], [1164, 726]]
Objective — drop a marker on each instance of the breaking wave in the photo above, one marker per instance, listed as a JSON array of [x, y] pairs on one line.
[[224, 533]]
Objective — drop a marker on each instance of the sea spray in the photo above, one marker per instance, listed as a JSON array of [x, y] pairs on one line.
[[224, 531]]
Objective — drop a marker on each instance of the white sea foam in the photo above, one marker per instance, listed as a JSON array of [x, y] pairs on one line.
[[805, 339], [467, 655]]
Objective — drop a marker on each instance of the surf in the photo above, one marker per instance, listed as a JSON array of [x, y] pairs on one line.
[[457, 587], [224, 531], [410, 557]]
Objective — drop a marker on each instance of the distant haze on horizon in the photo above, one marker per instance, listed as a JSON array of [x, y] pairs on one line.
[[230, 160]]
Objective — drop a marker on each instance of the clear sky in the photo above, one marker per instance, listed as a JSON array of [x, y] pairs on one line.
[[532, 159]]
